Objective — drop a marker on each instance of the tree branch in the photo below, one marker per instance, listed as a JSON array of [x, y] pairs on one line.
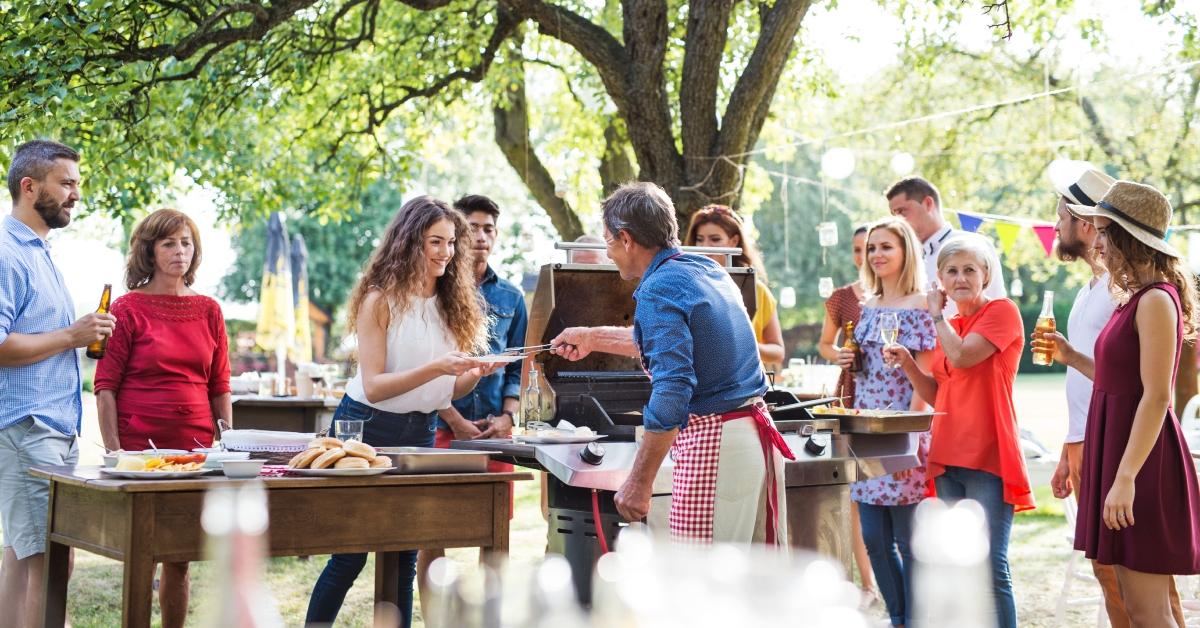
[[512, 136]]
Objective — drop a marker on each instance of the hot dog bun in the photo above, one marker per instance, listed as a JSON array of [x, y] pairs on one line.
[[351, 462], [327, 459], [360, 450], [328, 442], [305, 458]]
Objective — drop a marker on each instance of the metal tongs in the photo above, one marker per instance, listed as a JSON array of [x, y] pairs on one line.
[[530, 350]]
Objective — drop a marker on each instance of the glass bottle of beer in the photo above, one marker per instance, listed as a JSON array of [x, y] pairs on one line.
[[96, 350], [857, 364], [1043, 350], [531, 401]]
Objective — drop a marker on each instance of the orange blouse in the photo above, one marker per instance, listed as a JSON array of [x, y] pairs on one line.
[[979, 428]]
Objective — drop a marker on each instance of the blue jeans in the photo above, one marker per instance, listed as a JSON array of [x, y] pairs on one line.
[[987, 489], [381, 429], [886, 532]]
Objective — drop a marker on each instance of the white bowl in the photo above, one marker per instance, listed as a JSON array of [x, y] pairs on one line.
[[241, 469]]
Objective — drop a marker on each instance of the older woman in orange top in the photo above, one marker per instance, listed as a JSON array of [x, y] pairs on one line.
[[974, 452]]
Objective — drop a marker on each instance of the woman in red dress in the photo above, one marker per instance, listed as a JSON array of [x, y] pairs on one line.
[[165, 376], [1139, 505]]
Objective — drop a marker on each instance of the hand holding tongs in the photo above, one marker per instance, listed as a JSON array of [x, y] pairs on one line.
[[526, 350]]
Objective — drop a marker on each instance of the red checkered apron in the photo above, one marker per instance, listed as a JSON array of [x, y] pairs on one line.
[[697, 452]]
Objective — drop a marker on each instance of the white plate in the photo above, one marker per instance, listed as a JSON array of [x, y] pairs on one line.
[[556, 439], [153, 475], [333, 473], [499, 359]]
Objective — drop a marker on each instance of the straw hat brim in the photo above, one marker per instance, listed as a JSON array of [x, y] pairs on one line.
[[1087, 212]]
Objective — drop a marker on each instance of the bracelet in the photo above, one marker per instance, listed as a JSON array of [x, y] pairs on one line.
[[938, 319]]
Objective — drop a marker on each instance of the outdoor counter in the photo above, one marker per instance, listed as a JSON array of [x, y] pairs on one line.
[[143, 522], [282, 414]]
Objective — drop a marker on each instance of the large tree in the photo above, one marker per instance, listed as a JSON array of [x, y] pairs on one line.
[[290, 103]]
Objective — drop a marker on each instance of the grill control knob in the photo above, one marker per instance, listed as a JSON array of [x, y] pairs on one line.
[[592, 454], [816, 445]]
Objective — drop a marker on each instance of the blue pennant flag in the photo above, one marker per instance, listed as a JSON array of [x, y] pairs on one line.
[[969, 223]]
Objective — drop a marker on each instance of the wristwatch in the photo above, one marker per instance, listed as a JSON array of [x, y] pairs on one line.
[[939, 318]]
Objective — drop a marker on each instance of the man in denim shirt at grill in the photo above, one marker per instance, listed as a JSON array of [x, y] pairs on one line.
[[40, 408], [694, 336], [487, 411]]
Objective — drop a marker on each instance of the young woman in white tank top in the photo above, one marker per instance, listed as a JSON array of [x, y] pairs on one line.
[[418, 316]]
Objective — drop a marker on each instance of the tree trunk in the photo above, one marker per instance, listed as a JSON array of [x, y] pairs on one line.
[[1185, 379]]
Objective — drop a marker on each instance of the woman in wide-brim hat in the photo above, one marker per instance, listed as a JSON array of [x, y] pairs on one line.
[[1139, 505]]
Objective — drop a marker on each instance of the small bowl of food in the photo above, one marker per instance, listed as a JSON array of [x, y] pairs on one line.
[[241, 469]]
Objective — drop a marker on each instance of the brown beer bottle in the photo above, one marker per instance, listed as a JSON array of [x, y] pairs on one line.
[[96, 350], [856, 365]]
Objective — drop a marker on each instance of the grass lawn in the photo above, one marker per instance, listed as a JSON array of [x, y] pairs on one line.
[[1038, 550]]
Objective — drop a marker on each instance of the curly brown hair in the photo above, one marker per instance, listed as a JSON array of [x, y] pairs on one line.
[[397, 268], [731, 223], [160, 224], [1127, 258]]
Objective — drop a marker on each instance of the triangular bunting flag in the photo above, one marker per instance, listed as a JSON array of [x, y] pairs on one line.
[[1045, 233], [1007, 233], [969, 222]]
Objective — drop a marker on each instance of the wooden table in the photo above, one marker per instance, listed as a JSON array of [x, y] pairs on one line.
[[284, 414], [143, 522]]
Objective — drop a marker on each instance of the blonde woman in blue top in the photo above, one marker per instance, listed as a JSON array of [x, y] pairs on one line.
[[892, 276]]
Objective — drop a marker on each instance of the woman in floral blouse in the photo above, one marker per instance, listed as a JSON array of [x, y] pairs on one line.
[[892, 279]]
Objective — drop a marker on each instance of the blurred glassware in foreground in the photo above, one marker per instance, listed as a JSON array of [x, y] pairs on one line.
[[952, 583], [235, 522]]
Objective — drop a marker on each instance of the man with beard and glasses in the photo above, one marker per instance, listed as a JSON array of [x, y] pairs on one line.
[[40, 408], [1090, 312]]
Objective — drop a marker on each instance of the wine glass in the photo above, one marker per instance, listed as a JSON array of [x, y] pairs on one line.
[[889, 330]]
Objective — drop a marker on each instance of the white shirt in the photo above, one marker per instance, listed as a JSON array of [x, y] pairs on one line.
[[929, 250], [414, 339], [1091, 311]]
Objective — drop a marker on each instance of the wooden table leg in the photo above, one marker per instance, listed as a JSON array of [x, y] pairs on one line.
[[387, 578], [495, 554], [138, 580], [57, 571]]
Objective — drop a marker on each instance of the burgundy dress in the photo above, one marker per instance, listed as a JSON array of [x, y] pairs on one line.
[[167, 358], [1165, 537]]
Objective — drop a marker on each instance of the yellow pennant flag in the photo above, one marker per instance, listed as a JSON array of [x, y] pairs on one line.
[[1007, 233]]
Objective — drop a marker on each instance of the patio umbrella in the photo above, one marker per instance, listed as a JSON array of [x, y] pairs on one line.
[[276, 314], [302, 345]]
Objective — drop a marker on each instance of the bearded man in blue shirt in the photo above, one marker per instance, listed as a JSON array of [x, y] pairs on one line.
[[693, 334]]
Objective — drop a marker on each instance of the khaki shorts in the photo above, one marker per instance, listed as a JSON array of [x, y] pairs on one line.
[[24, 498]]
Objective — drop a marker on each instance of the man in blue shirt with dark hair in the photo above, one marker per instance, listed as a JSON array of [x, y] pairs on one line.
[[693, 334], [40, 406]]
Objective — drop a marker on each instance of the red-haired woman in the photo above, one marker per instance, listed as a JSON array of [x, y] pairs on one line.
[[417, 313], [165, 376], [720, 226]]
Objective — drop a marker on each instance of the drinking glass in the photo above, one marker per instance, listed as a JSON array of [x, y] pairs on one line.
[[889, 330], [346, 430]]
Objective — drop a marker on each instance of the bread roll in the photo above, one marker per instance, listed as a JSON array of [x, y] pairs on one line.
[[305, 458], [351, 462], [327, 459], [327, 442], [360, 450], [381, 462]]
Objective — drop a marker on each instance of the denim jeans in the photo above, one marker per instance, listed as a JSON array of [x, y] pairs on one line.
[[381, 429], [886, 531], [987, 489]]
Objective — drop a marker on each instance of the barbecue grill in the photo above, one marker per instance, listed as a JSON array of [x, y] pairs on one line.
[[607, 392]]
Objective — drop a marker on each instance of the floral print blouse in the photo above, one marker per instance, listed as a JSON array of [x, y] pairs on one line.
[[880, 387]]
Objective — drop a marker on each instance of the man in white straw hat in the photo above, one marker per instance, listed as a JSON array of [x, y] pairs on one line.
[[1083, 184]]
